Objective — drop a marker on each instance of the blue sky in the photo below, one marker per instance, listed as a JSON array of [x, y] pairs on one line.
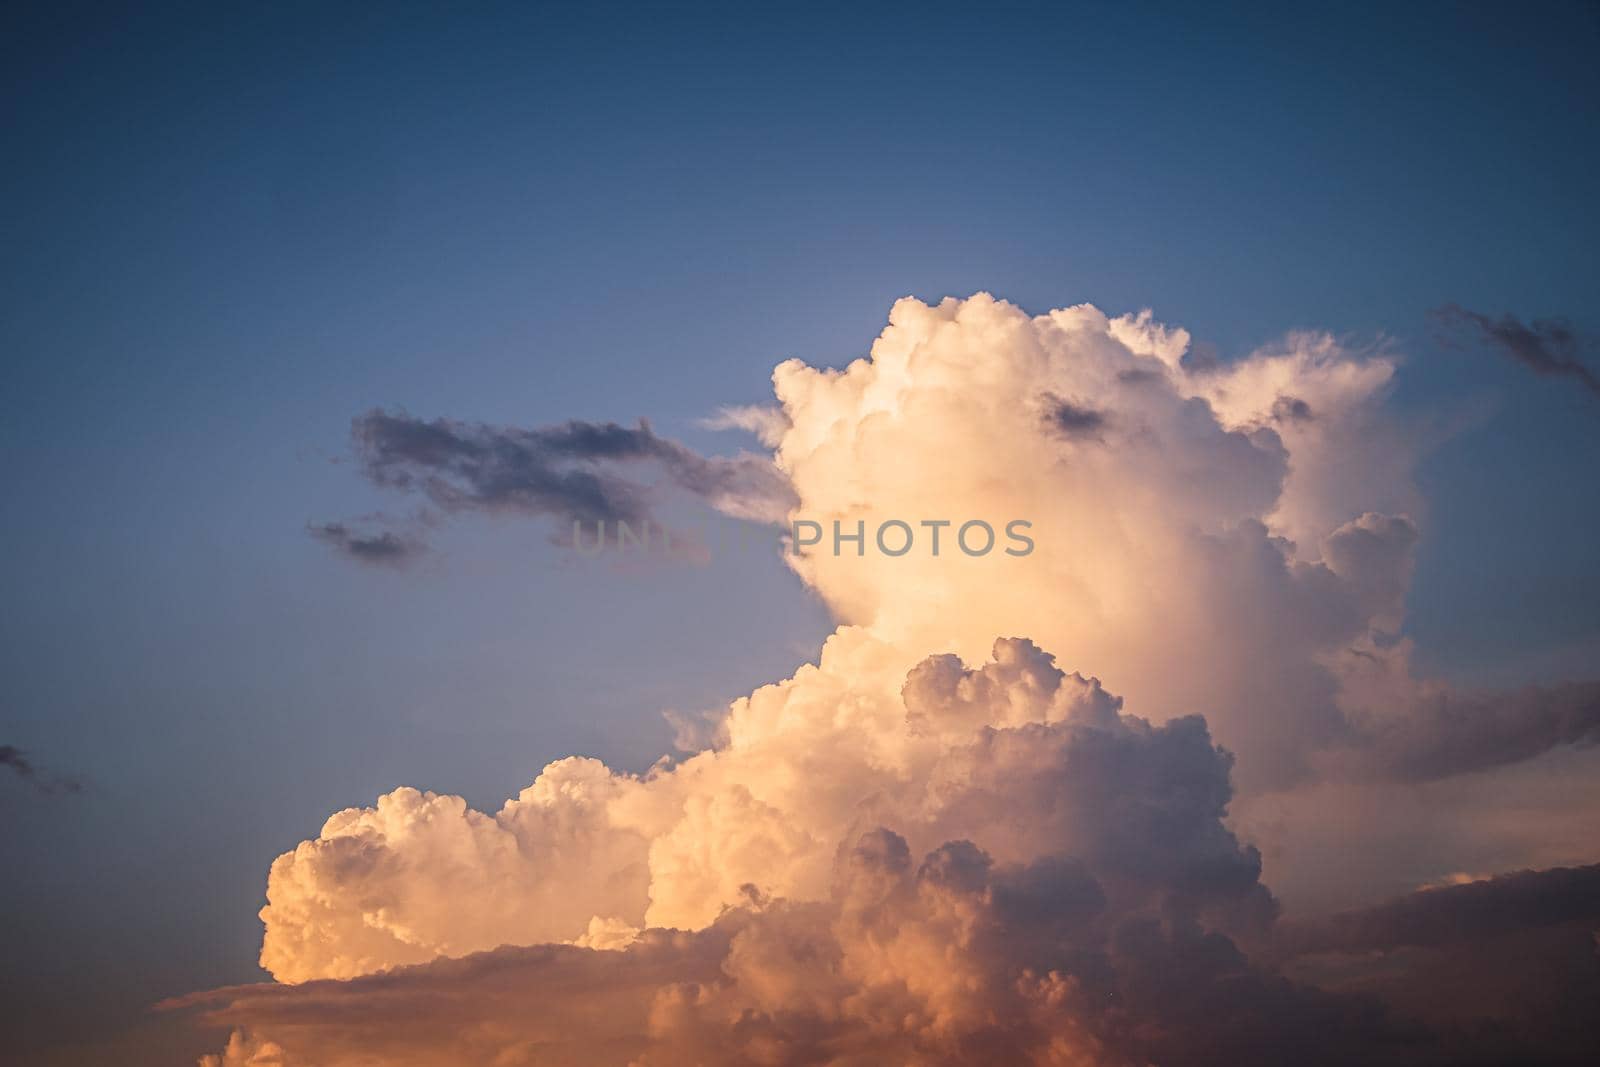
[[230, 230]]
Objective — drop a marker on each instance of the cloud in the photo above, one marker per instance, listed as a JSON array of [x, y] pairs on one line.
[[17, 761], [939, 843], [1502, 970], [1444, 732], [1291, 409], [944, 957], [1077, 421], [422, 875], [951, 958], [572, 472], [954, 756], [1548, 347], [1184, 557], [1447, 914], [380, 547], [769, 424]]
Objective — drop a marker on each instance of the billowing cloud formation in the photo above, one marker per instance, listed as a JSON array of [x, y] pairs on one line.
[[1548, 347], [383, 886], [1097, 931], [946, 960], [1195, 548], [934, 846], [954, 959]]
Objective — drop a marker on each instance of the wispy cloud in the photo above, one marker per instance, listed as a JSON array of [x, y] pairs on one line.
[[1548, 347], [769, 424], [44, 781], [570, 472], [382, 547]]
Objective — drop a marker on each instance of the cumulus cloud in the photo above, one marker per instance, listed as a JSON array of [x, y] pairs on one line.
[[945, 958], [951, 753], [385, 886], [944, 841], [1098, 930], [1548, 347], [1188, 535], [1019, 869], [952, 958]]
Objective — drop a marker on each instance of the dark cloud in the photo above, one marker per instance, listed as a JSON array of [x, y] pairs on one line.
[[1291, 409], [17, 761], [1545, 346], [1432, 731], [1448, 733], [1447, 914], [1074, 420], [552, 471], [558, 1005], [572, 472], [381, 547], [1373, 556], [1500, 971]]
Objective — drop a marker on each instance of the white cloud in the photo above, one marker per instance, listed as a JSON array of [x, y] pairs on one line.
[[1233, 542]]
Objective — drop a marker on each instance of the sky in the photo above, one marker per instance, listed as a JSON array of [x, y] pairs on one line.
[[233, 231]]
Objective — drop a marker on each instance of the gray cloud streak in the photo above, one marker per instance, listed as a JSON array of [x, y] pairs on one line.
[[19, 764], [569, 472], [1503, 970], [1459, 913], [382, 547], [1448, 733], [1547, 347]]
